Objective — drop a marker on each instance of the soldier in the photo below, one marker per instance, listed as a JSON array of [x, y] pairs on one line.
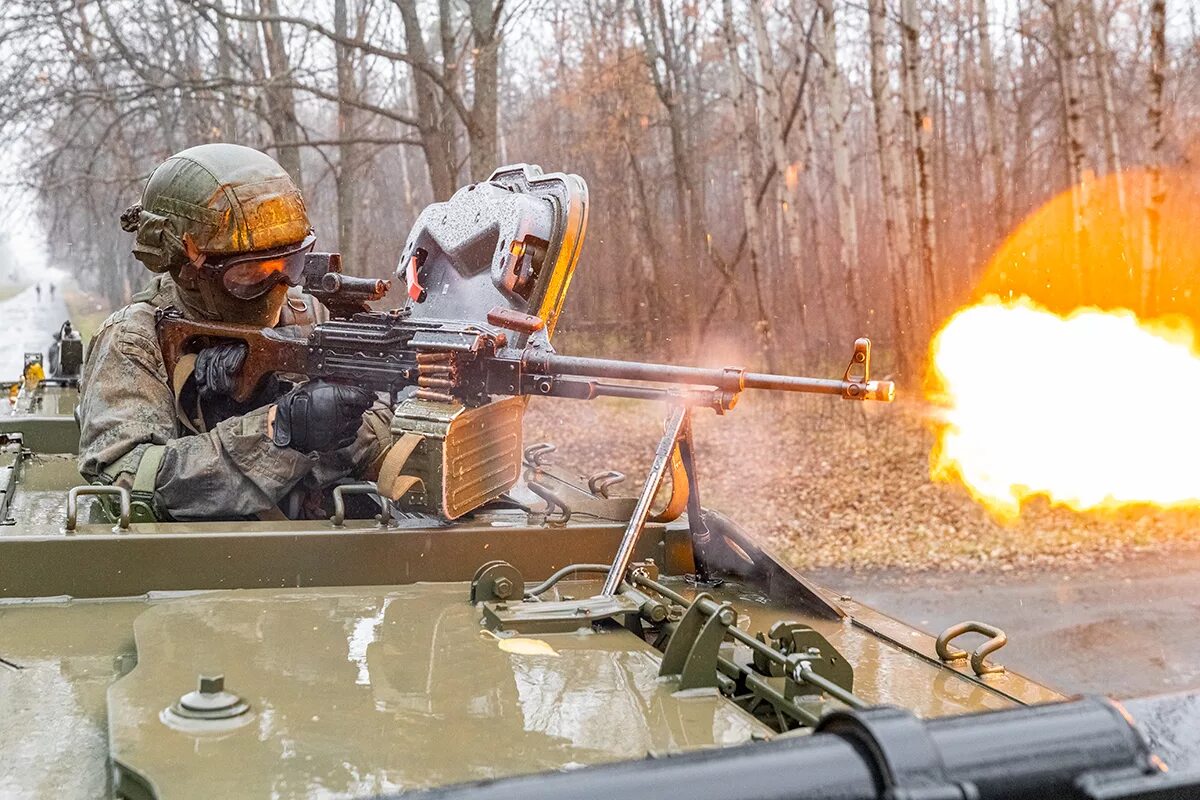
[[226, 231]]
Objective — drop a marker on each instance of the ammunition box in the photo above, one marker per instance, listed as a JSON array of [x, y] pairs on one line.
[[467, 456]]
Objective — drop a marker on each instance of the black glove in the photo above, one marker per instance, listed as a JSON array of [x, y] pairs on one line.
[[216, 368], [320, 416]]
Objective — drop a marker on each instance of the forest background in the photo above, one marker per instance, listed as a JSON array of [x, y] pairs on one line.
[[768, 179]]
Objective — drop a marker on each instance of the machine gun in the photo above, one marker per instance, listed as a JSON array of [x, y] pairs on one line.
[[486, 273], [461, 361]]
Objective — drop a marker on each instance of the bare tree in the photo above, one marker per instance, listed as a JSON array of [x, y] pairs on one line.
[[995, 148], [774, 139], [1157, 190], [1065, 57], [346, 175], [664, 58], [743, 113], [843, 192], [891, 174], [1102, 66], [281, 101], [921, 128]]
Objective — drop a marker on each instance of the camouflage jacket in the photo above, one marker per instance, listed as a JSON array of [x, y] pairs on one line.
[[128, 406]]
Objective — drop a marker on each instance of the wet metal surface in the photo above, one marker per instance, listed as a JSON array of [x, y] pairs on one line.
[[38, 505], [1124, 629], [363, 691], [58, 661]]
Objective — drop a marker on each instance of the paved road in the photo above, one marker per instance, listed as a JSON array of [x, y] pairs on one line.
[[28, 324], [1123, 629]]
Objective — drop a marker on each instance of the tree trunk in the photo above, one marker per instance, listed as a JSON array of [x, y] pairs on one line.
[[1102, 65], [891, 179], [1063, 12], [921, 126], [345, 176], [229, 126], [485, 32], [666, 86], [1152, 283], [743, 113], [436, 142], [787, 178], [826, 43], [995, 148], [1023, 126], [281, 102]]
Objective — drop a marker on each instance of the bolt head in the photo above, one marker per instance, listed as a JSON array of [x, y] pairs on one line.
[[502, 588], [212, 684]]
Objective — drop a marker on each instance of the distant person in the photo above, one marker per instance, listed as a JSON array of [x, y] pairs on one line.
[[52, 290], [39, 292], [227, 232]]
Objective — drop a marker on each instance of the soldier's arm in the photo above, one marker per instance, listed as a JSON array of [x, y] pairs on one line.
[[129, 434]]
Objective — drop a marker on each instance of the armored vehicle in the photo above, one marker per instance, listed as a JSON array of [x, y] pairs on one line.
[[482, 621]]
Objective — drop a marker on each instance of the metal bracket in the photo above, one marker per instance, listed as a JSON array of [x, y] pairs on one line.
[[538, 454], [553, 501], [497, 580], [599, 483], [558, 616], [692, 651], [96, 491], [947, 653], [797, 639], [339, 502]]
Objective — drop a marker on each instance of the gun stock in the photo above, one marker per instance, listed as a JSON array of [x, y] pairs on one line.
[[267, 350]]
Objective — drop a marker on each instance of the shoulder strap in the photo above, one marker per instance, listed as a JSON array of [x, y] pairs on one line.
[[391, 483], [183, 370], [147, 472]]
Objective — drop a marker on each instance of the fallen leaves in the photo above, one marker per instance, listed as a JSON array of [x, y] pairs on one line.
[[829, 484]]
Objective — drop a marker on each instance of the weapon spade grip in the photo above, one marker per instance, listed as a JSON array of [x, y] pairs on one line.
[[266, 350]]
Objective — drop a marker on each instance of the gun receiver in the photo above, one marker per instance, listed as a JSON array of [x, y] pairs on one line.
[[465, 362]]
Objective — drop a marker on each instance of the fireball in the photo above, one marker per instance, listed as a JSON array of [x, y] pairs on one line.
[[1092, 410]]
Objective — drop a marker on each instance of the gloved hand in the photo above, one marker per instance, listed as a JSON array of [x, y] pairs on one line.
[[320, 416], [216, 369]]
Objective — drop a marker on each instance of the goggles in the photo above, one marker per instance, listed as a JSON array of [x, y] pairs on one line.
[[250, 275]]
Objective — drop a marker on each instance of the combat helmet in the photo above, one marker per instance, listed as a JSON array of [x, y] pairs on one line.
[[229, 225]]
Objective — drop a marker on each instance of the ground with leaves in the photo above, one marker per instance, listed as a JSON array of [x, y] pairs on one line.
[[830, 484]]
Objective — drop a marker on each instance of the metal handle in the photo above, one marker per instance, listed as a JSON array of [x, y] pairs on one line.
[[538, 454], [96, 491], [339, 500], [998, 639], [552, 500], [598, 484]]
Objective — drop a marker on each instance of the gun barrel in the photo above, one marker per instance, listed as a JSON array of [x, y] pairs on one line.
[[729, 379]]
